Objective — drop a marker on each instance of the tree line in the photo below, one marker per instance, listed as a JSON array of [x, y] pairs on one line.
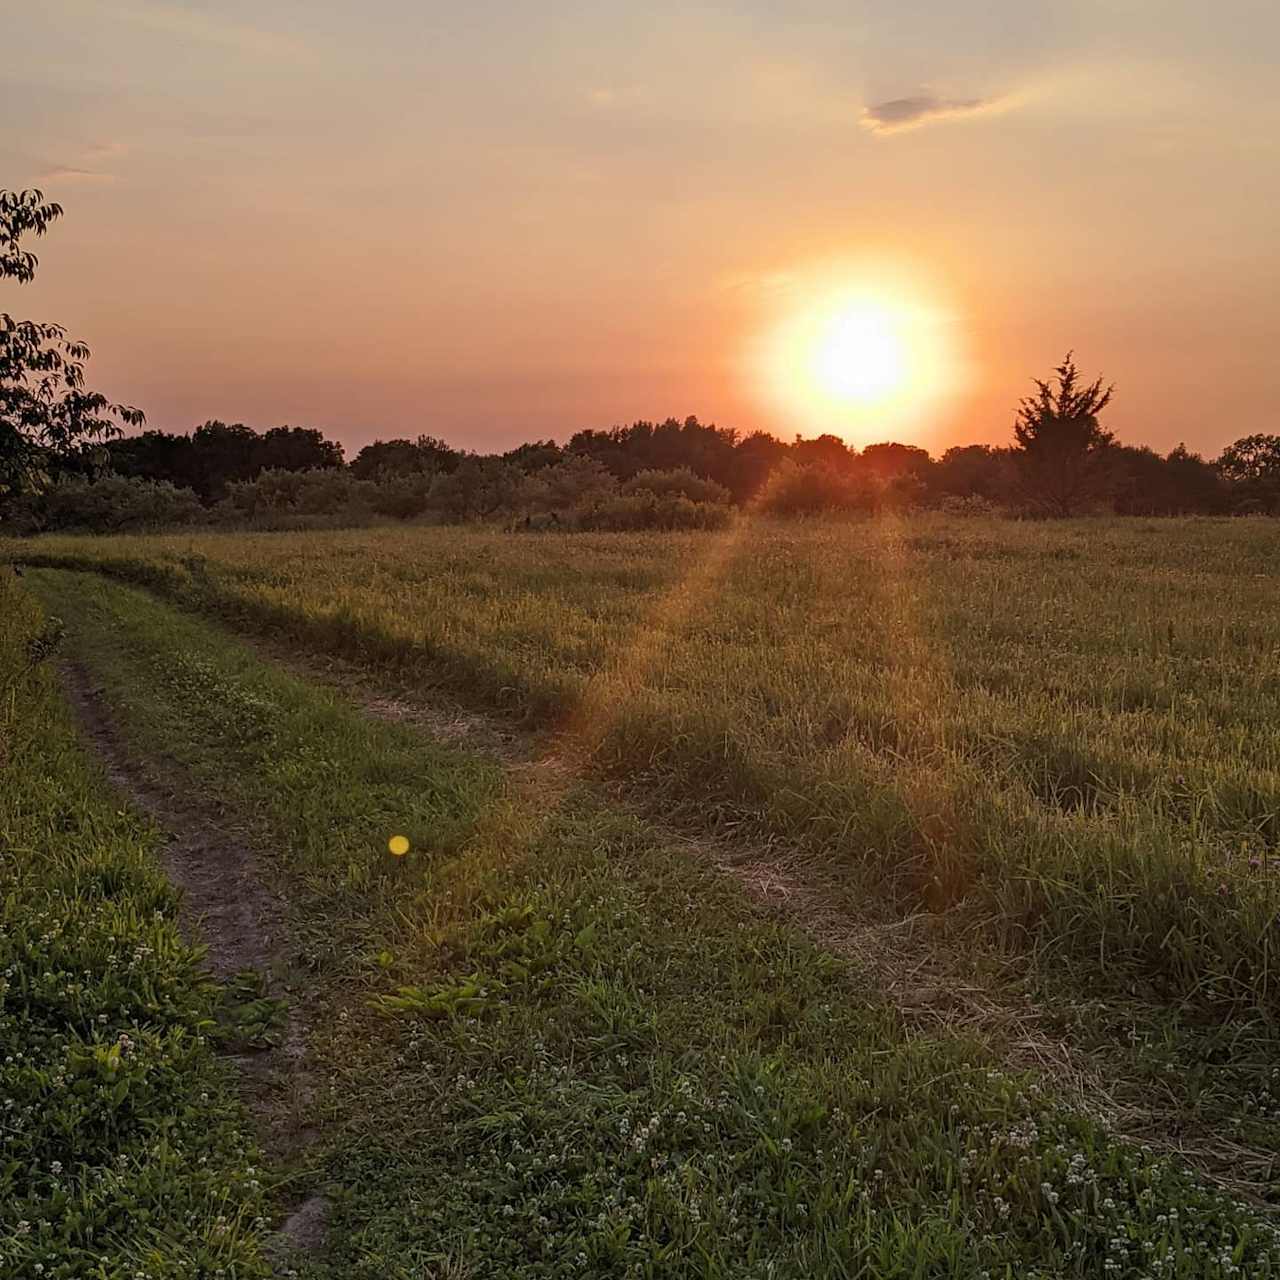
[[65, 461], [1060, 463]]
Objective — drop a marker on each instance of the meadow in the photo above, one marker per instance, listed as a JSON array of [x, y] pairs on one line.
[[1065, 735], [548, 1042], [123, 1149]]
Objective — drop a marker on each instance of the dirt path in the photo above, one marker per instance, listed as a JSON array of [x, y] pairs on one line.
[[229, 907]]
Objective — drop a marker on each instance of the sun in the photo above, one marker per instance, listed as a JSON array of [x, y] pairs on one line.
[[860, 353], [864, 354]]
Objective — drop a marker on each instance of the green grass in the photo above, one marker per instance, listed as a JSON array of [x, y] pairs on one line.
[[550, 1044], [122, 1148], [1070, 732]]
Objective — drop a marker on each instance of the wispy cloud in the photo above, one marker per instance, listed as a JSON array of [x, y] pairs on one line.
[[69, 173], [759, 283], [899, 114], [90, 163]]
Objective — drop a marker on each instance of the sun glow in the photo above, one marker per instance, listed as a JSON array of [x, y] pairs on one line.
[[866, 357], [861, 356]]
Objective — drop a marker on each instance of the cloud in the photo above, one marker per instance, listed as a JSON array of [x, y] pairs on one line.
[[898, 114], [69, 173], [89, 163], [760, 283]]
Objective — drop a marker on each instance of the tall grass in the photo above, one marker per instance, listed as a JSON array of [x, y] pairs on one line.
[[1072, 729], [546, 1043]]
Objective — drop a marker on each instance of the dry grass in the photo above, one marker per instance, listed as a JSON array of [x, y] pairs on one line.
[[942, 984], [1068, 731]]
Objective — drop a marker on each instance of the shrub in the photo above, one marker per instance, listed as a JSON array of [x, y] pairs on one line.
[[972, 504], [401, 497], [108, 504], [645, 510], [477, 489], [577, 481], [679, 481], [802, 490], [321, 492]]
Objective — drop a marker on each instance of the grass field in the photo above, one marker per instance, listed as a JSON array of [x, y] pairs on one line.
[[550, 1043], [1068, 734], [123, 1150]]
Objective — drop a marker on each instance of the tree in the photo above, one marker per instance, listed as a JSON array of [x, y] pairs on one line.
[[754, 461], [216, 456], [534, 455], [48, 419], [824, 451], [424, 456], [1254, 457], [1148, 485], [1252, 466], [892, 461], [296, 449], [973, 470], [155, 455], [223, 454], [1195, 483], [1062, 451], [707, 450]]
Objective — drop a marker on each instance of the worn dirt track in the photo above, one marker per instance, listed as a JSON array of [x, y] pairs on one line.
[[229, 907]]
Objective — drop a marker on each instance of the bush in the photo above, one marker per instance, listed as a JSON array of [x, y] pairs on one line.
[[401, 497], [973, 504], [577, 481], [802, 490], [322, 492], [476, 490], [680, 482], [108, 504], [625, 512]]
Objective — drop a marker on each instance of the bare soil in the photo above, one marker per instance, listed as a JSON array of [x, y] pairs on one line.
[[230, 907]]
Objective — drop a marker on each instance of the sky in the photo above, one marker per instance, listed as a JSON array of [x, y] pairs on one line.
[[495, 222]]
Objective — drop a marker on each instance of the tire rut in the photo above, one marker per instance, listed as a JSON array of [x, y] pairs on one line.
[[227, 906]]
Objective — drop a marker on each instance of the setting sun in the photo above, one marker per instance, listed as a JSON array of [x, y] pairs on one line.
[[870, 355], [862, 355]]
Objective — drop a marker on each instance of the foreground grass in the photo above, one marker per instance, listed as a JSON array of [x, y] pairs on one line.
[[1073, 730], [555, 1046], [122, 1152]]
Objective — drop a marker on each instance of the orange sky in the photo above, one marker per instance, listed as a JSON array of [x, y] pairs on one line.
[[493, 222]]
